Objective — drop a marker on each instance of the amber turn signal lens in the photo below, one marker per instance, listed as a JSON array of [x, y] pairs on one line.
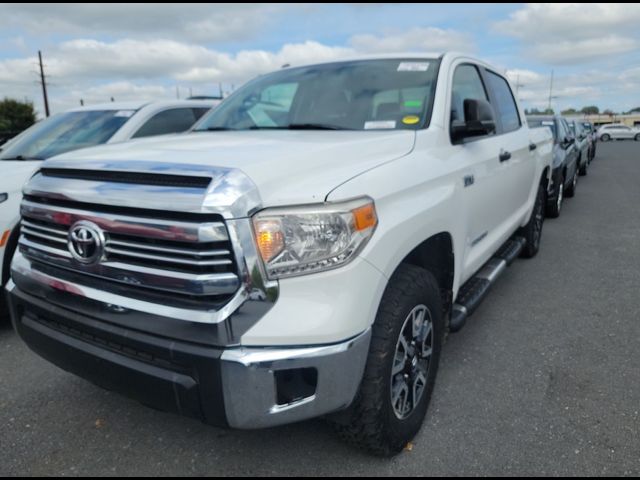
[[269, 238], [4, 238], [365, 217]]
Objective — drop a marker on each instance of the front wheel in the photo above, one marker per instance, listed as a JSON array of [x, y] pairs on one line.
[[532, 231], [400, 374], [637, 137], [606, 137], [571, 190], [553, 210]]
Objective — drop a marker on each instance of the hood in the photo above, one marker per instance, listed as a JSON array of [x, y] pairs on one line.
[[288, 167], [15, 173]]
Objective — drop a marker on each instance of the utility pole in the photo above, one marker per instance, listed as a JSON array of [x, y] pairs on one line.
[[550, 91], [518, 85], [44, 85]]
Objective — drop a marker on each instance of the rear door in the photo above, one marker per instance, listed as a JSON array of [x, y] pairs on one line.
[[518, 160]]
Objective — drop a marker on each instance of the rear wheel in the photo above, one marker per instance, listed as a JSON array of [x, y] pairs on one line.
[[606, 137], [532, 231], [637, 137], [584, 166], [400, 374]]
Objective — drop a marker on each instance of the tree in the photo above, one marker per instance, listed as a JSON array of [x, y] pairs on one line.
[[16, 116], [635, 110], [569, 111], [609, 112], [590, 110]]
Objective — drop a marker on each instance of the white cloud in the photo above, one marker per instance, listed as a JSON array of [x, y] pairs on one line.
[[574, 33], [429, 39], [199, 22], [547, 21], [570, 52]]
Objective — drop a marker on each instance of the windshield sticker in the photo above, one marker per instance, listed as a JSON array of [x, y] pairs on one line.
[[547, 123], [380, 125], [410, 119], [124, 113], [413, 103], [413, 66]]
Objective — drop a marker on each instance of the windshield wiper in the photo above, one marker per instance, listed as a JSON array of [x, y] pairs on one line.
[[21, 158], [300, 126], [215, 129]]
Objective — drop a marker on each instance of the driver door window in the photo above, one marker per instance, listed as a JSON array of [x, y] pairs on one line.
[[466, 84]]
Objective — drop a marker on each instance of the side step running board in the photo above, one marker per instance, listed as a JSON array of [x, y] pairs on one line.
[[476, 288]]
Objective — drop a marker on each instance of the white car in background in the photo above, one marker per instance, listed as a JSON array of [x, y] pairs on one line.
[[74, 129], [618, 131]]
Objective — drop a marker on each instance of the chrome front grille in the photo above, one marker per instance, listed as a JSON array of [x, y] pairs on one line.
[[190, 258]]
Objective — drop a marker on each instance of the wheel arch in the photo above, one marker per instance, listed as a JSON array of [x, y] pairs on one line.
[[10, 248]]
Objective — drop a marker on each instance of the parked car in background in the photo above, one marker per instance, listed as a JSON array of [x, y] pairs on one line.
[[618, 131], [593, 139], [564, 176], [582, 145], [72, 130], [302, 252]]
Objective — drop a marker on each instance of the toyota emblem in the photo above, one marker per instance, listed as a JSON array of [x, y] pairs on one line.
[[86, 242]]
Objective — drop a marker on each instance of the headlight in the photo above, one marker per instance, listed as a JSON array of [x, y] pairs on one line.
[[307, 239], [3, 197]]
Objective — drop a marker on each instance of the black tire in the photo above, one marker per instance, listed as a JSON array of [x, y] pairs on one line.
[[570, 191], [553, 210], [584, 167], [606, 137], [637, 137], [532, 231], [372, 422], [10, 249]]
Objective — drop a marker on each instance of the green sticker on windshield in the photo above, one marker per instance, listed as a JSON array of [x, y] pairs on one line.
[[413, 103]]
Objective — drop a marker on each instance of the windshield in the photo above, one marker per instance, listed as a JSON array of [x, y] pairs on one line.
[[544, 123], [359, 95], [587, 126], [65, 132]]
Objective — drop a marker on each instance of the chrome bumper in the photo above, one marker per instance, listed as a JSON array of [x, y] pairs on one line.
[[250, 387]]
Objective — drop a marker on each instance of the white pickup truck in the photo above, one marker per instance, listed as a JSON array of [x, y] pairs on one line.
[[303, 252]]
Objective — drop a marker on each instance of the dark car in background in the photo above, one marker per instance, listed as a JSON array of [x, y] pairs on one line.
[[582, 145], [564, 178], [593, 138]]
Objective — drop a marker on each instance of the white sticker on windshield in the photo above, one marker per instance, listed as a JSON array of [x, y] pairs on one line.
[[380, 125], [547, 124], [124, 113], [413, 66]]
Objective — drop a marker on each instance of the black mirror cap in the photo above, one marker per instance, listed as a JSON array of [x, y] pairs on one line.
[[478, 121]]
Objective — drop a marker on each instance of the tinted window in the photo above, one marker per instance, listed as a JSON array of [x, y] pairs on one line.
[[359, 95], [199, 112], [169, 121], [507, 109], [467, 84], [65, 132]]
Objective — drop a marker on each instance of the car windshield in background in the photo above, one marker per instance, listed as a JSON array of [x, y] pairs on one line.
[[359, 95], [65, 132], [544, 123], [587, 126]]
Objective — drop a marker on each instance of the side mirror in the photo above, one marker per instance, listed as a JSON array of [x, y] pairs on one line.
[[478, 120]]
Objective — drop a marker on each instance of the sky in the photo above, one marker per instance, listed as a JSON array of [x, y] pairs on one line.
[[145, 52]]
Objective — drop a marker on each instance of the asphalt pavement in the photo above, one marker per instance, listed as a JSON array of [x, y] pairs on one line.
[[544, 379]]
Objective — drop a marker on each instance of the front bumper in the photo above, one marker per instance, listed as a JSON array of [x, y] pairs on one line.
[[237, 387]]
